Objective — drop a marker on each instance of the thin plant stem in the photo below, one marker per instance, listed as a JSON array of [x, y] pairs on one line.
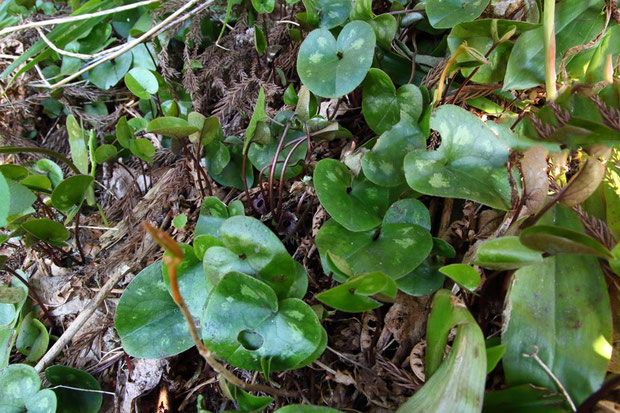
[[272, 171], [130, 45], [77, 236], [472, 74], [547, 370], [549, 31], [172, 261], [49, 152]]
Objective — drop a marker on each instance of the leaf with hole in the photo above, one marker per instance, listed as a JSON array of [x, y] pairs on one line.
[[332, 68], [145, 310], [353, 296], [71, 192], [469, 164], [141, 82], [20, 390], [244, 324], [394, 249], [73, 400]]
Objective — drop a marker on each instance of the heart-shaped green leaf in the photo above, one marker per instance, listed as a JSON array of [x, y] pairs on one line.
[[408, 211], [469, 163], [108, 74], [73, 400], [244, 324], [44, 229], [263, 6], [356, 204], [71, 192], [144, 311], [385, 27], [462, 274], [16, 199], [445, 14], [20, 391], [556, 240], [383, 165], [143, 149], [213, 213], [353, 296], [394, 249], [332, 68], [506, 253], [382, 103], [141, 82], [171, 126], [260, 251]]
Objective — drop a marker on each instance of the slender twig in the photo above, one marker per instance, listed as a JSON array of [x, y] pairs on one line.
[[79, 321], [76, 18], [272, 171], [547, 370], [172, 261], [278, 215], [61, 51], [46, 311], [130, 45]]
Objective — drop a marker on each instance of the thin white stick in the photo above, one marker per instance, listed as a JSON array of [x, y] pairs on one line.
[[62, 386], [547, 370], [79, 321], [76, 18], [129, 45], [60, 51]]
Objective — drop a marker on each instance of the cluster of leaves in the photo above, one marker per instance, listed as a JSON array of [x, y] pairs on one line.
[[240, 283]]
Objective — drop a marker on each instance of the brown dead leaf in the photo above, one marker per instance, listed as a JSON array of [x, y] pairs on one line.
[[144, 377], [416, 360], [369, 329], [535, 181], [584, 183]]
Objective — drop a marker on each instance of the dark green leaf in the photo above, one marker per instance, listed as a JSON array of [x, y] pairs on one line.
[[71, 192], [556, 240], [462, 274], [171, 126], [320, 66], [19, 391], [356, 204], [444, 14], [244, 324], [469, 163], [353, 296], [141, 82], [144, 311], [44, 229], [70, 400], [506, 253]]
